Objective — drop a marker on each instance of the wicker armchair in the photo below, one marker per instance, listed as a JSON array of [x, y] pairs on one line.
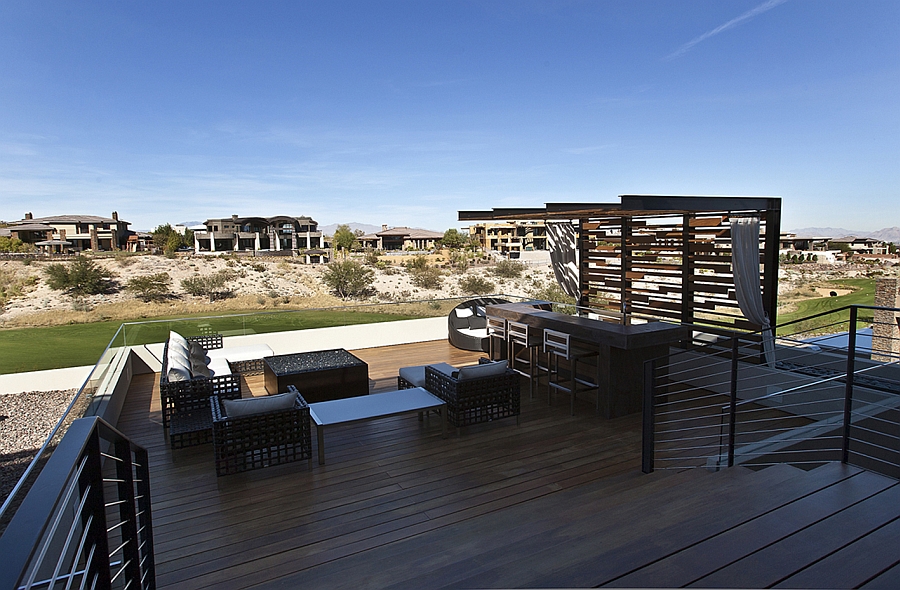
[[185, 404], [259, 440], [481, 399]]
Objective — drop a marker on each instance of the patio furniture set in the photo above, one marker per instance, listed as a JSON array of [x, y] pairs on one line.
[[201, 398]]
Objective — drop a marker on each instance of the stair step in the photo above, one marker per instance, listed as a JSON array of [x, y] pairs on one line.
[[717, 551]]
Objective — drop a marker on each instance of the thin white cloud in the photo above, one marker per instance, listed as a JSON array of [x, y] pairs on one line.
[[764, 7]]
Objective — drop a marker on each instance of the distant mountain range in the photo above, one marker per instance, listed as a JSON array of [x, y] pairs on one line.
[[888, 234]]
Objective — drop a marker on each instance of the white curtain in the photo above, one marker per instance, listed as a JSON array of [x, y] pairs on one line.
[[745, 267], [561, 241]]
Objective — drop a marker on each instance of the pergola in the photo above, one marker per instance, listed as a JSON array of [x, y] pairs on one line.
[[662, 257]]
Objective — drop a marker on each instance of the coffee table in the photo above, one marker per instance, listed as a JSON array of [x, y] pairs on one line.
[[320, 375], [377, 405]]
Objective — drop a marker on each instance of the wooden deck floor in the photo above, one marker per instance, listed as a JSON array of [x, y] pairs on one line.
[[386, 481]]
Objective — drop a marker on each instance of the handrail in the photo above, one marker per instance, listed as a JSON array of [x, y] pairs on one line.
[[793, 411], [62, 531]]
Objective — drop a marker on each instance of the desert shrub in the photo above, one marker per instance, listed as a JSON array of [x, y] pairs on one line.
[[258, 266], [12, 286], [427, 278], [348, 278], [476, 285], [371, 257], [155, 287], [552, 292], [508, 269], [416, 264], [80, 277], [213, 286], [124, 258], [459, 261]]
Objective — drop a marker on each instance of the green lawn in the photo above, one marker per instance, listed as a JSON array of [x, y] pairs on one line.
[[38, 349], [863, 294]]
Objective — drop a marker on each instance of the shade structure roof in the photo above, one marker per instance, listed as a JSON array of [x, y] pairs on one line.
[[629, 206]]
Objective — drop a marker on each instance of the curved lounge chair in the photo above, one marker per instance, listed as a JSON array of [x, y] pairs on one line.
[[467, 324]]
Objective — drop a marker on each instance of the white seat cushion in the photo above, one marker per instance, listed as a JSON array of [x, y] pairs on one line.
[[218, 367], [475, 332]]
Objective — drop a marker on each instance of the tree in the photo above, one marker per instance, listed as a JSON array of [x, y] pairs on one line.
[[148, 288], [14, 245], [166, 239], [453, 239], [344, 239], [348, 278], [82, 276]]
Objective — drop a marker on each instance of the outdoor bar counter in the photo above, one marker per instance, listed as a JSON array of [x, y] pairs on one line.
[[623, 349]]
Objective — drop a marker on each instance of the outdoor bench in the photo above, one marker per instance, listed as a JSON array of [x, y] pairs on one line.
[[193, 369]]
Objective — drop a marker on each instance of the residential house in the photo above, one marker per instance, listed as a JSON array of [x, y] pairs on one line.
[[72, 233], [401, 238], [510, 236], [858, 245], [280, 233]]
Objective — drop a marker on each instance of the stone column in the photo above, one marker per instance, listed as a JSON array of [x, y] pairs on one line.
[[95, 241], [885, 331]]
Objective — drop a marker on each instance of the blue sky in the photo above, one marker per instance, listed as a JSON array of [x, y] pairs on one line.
[[406, 112]]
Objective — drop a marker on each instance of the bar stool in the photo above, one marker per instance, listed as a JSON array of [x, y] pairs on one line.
[[496, 329], [526, 339], [558, 345]]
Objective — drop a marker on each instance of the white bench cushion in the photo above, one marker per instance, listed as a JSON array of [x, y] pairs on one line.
[[240, 353]]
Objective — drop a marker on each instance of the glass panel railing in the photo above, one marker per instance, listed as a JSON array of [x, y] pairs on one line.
[[27, 472], [244, 324]]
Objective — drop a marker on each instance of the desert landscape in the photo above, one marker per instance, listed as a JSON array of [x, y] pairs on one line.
[[255, 283], [266, 283]]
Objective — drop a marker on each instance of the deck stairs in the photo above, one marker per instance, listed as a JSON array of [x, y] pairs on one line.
[[834, 526]]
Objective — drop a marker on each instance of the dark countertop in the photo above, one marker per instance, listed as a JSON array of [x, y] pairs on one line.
[[303, 362], [590, 330]]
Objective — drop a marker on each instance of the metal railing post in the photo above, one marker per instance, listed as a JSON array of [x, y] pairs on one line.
[[649, 419], [732, 405], [848, 385]]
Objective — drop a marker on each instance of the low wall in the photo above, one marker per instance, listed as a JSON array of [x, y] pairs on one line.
[[68, 378]]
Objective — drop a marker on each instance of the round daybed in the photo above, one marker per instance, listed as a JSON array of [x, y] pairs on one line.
[[467, 324]]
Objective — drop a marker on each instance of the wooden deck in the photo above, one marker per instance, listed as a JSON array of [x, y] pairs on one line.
[[558, 501]]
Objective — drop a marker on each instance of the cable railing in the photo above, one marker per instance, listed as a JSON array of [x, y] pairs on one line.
[[824, 397], [91, 504]]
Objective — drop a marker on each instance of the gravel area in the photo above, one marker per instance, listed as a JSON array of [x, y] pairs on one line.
[[25, 421]]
